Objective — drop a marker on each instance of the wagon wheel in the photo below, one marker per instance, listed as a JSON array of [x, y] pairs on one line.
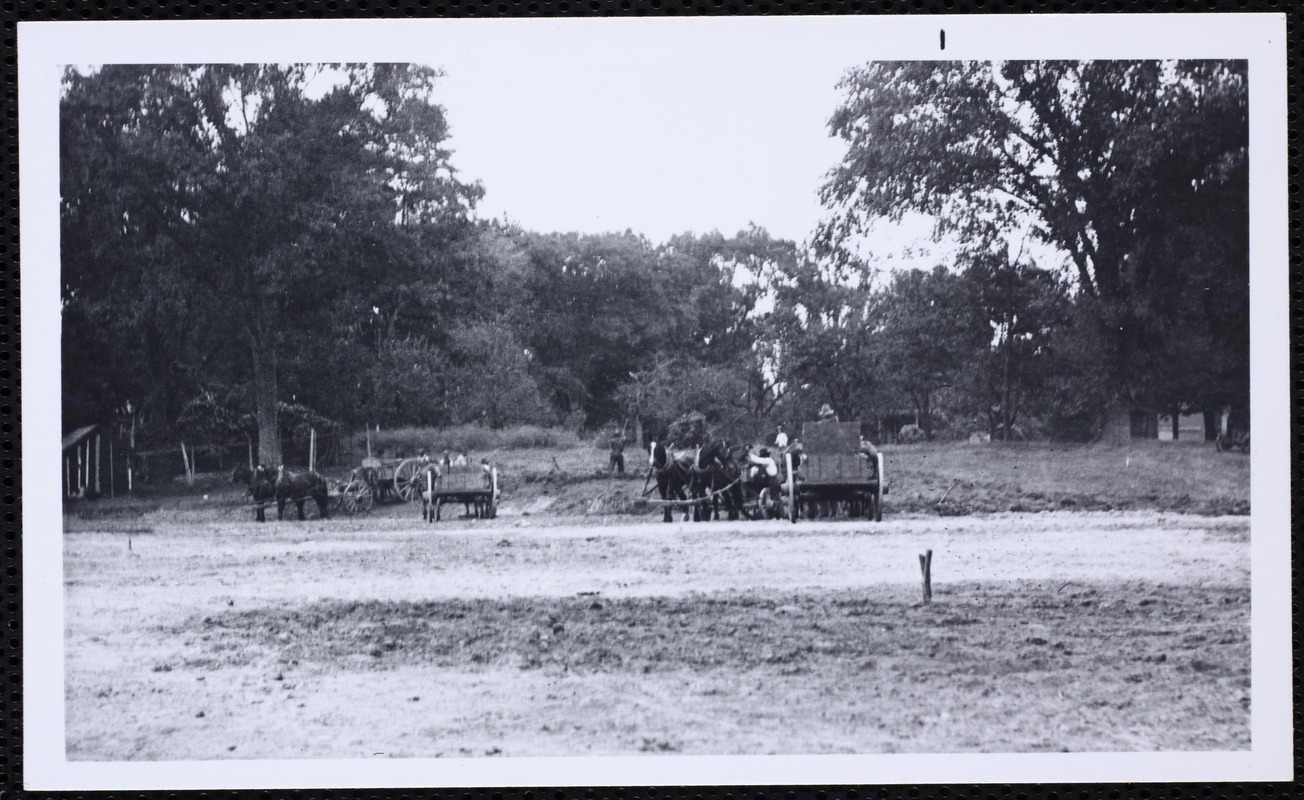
[[879, 485], [790, 488], [356, 497], [406, 479], [491, 512], [769, 503]]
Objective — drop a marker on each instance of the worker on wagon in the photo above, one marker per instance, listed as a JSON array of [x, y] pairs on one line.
[[617, 461], [867, 449], [827, 414], [761, 467], [460, 461]]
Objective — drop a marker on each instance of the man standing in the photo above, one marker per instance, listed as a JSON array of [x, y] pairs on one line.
[[780, 440], [617, 461]]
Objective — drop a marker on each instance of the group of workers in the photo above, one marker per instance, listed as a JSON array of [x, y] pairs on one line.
[[762, 466], [449, 460]]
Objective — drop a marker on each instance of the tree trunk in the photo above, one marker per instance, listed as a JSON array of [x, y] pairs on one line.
[[1210, 425], [1176, 423], [1118, 424], [265, 393], [1005, 396], [926, 416]]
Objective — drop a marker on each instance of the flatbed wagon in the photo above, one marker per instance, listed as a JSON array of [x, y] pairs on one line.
[[476, 487], [833, 475]]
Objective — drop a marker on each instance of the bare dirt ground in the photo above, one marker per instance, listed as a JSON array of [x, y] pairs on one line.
[[383, 638]]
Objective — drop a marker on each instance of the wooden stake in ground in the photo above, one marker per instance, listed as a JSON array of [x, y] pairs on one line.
[[926, 568]]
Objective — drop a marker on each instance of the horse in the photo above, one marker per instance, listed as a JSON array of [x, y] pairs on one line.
[[298, 487], [673, 475], [715, 480], [262, 487]]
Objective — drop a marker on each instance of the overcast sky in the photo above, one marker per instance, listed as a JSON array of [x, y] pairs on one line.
[[660, 134]]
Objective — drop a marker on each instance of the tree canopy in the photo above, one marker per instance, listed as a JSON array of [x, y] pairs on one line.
[[246, 247], [1137, 171]]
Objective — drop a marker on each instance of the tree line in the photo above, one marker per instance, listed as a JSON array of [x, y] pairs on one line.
[[250, 246]]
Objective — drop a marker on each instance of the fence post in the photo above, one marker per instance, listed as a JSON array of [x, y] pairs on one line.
[[926, 567], [312, 449]]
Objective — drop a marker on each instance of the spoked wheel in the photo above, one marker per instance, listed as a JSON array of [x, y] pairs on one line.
[[769, 503], [407, 483], [880, 488], [790, 487], [356, 497]]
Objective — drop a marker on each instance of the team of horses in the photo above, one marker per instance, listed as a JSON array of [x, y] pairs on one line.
[[267, 486], [703, 481]]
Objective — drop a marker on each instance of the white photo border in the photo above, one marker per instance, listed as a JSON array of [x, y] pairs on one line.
[[43, 50]]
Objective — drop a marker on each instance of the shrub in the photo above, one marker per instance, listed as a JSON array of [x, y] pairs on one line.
[[690, 430], [910, 434], [411, 441]]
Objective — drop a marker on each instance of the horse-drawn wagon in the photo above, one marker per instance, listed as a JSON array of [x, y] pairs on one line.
[[834, 474], [377, 479], [475, 487]]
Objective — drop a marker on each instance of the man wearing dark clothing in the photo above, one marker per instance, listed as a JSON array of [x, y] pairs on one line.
[[617, 462]]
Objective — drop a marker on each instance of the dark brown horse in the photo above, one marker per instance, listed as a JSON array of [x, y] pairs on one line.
[[297, 488], [673, 476], [716, 481], [262, 487]]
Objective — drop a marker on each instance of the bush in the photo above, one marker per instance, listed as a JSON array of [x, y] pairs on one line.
[[910, 434], [411, 441], [690, 430], [522, 436]]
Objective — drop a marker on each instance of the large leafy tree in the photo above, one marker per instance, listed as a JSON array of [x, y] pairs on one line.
[[826, 330], [263, 206], [933, 333], [1023, 307], [1107, 161]]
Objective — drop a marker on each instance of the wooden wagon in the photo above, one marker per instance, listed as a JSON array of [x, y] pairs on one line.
[[476, 487], [377, 479], [834, 476]]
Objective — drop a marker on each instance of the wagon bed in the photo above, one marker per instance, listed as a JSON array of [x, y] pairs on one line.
[[834, 474], [473, 485]]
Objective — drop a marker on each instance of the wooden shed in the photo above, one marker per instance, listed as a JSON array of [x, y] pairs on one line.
[[87, 462]]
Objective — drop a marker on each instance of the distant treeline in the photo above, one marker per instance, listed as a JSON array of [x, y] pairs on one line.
[[235, 243]]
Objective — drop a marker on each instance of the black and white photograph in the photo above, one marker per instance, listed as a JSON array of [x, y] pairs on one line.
[[620, 401]]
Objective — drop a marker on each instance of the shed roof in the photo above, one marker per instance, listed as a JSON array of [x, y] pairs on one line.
[[76, 437]]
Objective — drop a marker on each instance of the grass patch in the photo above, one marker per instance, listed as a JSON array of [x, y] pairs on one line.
[[470, 439], [1037, 476]]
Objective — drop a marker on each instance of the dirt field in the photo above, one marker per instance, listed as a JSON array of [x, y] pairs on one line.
[[194, 639]]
